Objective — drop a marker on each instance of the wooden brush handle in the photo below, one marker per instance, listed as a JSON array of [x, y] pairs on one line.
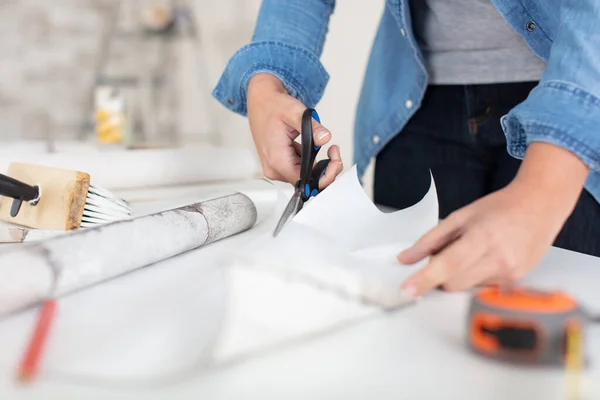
[[16, 189]]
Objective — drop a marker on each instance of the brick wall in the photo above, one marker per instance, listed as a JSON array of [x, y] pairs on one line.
[[49, 50], [49, 54]]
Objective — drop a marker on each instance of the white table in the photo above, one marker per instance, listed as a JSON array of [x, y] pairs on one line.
[[413, 353]]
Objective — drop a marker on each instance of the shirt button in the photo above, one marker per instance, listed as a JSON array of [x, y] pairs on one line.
[[531, 26], [408, 103], [402, 31], [376, 139]]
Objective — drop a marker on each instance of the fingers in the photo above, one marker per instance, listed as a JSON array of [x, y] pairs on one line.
[[275, 126], [333, 169], [286, 173], [476, 274], [334, 153], [282, 162], [433, 241], [485, 271], [289, 168], [445, 265], [297, 148], [321, 135]]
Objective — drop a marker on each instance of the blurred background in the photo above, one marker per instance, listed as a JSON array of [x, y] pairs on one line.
[[97, 76]]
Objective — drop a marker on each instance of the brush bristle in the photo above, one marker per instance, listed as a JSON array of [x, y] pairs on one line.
[[102, 207]]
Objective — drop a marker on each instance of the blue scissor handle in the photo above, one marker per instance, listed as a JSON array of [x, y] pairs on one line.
[[309, 153], [315, 115], [311, 188]]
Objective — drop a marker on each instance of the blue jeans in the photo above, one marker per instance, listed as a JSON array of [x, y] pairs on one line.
[[456, 133]]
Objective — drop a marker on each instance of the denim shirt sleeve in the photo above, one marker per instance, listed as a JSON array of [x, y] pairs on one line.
[[287, 43], [564, 109]]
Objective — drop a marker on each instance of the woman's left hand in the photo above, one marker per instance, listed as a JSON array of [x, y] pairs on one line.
[[501, 237]]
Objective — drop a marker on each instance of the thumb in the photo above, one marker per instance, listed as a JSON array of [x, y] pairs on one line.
[[321, 135]]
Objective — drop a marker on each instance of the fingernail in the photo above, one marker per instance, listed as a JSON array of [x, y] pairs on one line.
[[322, 133], [409, 290], [400, 256], [340, 168]]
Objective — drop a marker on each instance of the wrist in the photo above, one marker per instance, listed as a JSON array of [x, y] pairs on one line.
[[264, 83], [552, 177]]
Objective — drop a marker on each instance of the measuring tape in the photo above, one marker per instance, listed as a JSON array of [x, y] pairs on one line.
[[524, 325]]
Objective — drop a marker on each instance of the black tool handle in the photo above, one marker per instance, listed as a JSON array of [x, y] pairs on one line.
[[309, 150], [18, 190], [312, 189], [310, 173]]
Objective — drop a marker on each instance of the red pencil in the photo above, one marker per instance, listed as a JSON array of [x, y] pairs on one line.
[[29, 365]]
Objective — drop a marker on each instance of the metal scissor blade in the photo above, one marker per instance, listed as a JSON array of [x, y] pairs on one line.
[[293, 207]]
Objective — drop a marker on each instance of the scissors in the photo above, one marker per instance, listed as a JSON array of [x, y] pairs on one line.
[[308, 184]]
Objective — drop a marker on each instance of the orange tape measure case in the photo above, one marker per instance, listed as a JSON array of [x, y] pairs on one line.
[[523, 325]]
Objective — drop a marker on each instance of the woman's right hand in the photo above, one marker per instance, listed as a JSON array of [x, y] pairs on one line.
[[275, 121]]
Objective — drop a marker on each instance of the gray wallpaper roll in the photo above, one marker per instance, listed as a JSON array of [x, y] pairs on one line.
[[70, 262]]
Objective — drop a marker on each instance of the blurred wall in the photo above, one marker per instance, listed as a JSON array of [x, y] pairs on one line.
[[227, 25], [50, 54]]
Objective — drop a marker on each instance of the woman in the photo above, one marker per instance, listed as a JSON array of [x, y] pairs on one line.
[[466, 88]]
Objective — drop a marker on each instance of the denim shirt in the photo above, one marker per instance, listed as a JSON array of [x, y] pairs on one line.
[[564, 108]]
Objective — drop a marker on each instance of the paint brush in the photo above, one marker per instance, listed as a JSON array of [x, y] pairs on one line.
[[56, 199]]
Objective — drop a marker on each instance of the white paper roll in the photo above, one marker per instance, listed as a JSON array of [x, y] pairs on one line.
[[86, 257]]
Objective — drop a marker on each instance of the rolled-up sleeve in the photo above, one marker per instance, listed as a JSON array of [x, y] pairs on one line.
[[287, 43], [564, 109]]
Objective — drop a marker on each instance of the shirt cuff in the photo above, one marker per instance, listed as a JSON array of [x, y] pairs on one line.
[[558, 113], [302, 74]]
